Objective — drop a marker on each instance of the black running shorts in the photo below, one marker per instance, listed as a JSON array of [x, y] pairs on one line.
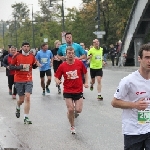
[[96, 72], [47, 72], [73, 96]]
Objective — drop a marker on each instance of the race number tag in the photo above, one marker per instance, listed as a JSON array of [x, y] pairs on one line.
[[27, 67], [144, 116], [44, 60]]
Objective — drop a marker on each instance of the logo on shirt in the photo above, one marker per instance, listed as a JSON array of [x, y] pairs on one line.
[[139, 93], [98, 57], [72, 74]]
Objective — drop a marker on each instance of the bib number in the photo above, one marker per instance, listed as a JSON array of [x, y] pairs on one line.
[[144, 116]]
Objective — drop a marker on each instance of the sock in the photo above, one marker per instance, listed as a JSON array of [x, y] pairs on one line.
[[46, 86], [43, 90], [99, 93], [25, 115], [18, 107]]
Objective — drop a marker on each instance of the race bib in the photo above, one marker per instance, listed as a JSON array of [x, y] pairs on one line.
[[72, 75], [44, 60], [98, 57], [143, 116], [27, 67]]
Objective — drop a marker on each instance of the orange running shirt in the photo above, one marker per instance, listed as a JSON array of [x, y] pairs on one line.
[[23, 75]]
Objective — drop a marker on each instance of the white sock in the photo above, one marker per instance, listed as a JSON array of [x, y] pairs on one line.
[[18, 107], [25, 115], [99, 93]]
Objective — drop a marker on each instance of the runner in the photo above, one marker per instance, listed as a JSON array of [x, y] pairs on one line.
[[44, 60], [95, 54], [24, 63], [133, 96], [56, 60], [79, 52], [10, 73], [72, 71]]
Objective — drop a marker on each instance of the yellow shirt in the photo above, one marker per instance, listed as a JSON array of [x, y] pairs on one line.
[[97, 58]]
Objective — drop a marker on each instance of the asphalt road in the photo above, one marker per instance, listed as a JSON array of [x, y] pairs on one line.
[[98, 126]]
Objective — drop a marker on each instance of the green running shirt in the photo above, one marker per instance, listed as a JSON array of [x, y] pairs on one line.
[[97, 58]]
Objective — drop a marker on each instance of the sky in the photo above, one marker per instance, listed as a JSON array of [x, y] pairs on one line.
[[6, 11]]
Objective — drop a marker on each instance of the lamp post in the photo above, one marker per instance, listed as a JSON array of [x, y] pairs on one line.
[[16, 31], [63, 17], [98, 14], [33, 40], [62, 12], [3, 35]]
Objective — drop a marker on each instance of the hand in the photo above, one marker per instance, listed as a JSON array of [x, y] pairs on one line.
[[104, 63], [58, 82], [38, 64], [8, 67], [86, 85], [63, 58], [141, 104]]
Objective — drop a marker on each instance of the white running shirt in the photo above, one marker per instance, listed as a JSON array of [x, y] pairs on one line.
[[132, 88]]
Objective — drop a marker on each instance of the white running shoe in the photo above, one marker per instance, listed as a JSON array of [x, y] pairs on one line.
[[72, 130]]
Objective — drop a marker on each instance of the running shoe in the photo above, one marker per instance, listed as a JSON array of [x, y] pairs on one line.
[[47, 90], [43, 93], [27, 121], [17, 113], [91, 87], [59, 89], [72, 130], [10, 92], [100, 97], [13, 96]]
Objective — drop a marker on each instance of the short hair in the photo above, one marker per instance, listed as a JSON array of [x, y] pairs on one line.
[[25, 43], [13, 47], [56, 42], [144, 47], [67, 33], [43, 44], [69, 48]]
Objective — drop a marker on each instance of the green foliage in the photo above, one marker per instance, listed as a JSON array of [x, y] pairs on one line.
[[81, 22]]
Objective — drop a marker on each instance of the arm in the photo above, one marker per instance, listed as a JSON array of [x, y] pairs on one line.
[[140, 104], [82, 53], [34, 65], [12, 67], [58, 82], [63, 58], [82, 57], [5, 63], [86, 80], [117, 103], [52, 59]]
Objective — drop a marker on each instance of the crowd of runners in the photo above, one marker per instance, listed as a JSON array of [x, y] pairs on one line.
[[70, 63]]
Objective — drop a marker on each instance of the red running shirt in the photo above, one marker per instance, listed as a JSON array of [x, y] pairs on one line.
[[72, 76], [24, 75]]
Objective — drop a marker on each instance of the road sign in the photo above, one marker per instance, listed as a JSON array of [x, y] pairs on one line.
[[99, 36], [45, 40], [99, 32]]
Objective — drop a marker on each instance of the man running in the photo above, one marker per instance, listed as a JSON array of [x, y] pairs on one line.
[[24, 63], [72, 70], [133, 97], [79, 52], [95, 54], [44, 59]]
